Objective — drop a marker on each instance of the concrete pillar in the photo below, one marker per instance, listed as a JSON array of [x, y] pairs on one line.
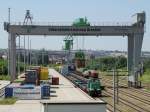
[[130, 59], [9, 36], [138, 40], [12, 57], [130, 52], [134, 54]]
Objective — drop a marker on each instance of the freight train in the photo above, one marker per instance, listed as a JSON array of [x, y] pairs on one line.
[[88, 80], [92, 86]]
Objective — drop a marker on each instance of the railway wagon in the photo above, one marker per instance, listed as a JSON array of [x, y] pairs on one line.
[[90, 73]]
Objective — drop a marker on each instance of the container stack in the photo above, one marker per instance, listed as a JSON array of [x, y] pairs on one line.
[[27, 92], [38, 69], [36, 84], [23, 91], [31, 77]]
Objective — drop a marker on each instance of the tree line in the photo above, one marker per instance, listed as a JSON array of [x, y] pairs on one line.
[[107, 63]]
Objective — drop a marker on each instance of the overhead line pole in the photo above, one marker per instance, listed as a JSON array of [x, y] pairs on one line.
[[24, 55], [114, 91], [8, 55], [30, 53], [19, 55]]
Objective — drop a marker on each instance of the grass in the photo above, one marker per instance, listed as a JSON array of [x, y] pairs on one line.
[[4, 77], [18, 80], [8, 101], [146, 76], [124, 73]]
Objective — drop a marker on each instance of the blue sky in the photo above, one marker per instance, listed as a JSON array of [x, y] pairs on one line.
[[69, 10]]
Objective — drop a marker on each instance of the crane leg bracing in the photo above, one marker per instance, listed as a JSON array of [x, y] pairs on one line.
[[134, 33]]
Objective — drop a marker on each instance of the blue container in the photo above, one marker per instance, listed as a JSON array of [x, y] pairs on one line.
[[45, 90], [8, 92]]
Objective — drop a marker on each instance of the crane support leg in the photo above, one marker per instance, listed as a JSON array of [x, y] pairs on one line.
[[130, 51], [12, 52], [134, 54]]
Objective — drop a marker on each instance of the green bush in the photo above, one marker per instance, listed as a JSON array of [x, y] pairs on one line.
[[8, 101], [146, 76], [4, 77], [107, 63]]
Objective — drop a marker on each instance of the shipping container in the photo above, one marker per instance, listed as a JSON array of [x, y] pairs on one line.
[[44, 74], [31, 77], [45, 91], [55, 80], [9, 89], [27, 92], [8, 92], [38, 69]]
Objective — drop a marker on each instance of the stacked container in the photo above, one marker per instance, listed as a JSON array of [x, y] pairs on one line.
[[44, 73], [27, 92], [31, 77], [38, 69], [23, 91], [45, 91]]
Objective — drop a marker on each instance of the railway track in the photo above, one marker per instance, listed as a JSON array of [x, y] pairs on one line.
[[127, 104], [124, 84], [73, 77], [128, 97], [131, 100]]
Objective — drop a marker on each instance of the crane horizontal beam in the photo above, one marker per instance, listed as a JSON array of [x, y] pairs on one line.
[[73, 30]]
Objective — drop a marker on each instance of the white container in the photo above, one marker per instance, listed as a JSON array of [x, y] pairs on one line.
[[22, 93]]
